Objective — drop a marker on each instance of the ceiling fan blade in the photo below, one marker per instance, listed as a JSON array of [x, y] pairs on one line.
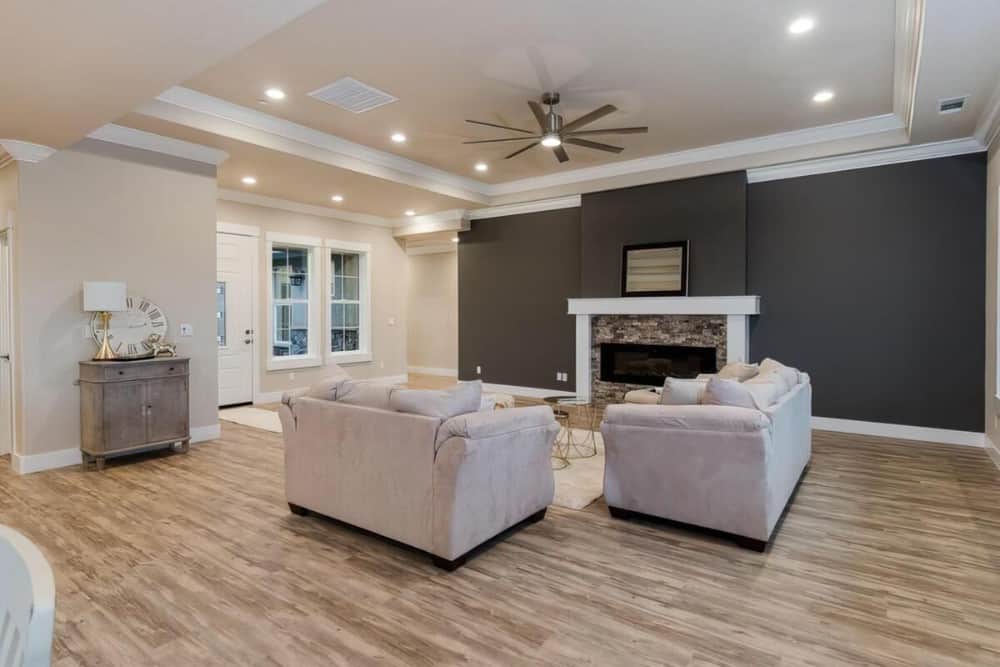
[[521, 150], [493, 141], [588, 118], [560, 153], [536, 109], [502, 127], [593, 144], [610, 130]]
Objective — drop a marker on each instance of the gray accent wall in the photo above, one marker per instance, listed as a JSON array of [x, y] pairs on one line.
[[514, 276], [874, 281], [709, 212]]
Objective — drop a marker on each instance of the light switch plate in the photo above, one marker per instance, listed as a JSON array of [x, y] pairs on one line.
[[187, 330]]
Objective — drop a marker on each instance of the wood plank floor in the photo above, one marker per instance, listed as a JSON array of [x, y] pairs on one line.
[[890, 555]]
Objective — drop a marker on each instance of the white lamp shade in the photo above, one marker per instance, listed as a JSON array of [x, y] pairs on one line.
[[100, 296]]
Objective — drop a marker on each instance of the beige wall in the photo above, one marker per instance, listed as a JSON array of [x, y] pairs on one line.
[[103, 212], [432, 305], [389, 278], [992, 213]]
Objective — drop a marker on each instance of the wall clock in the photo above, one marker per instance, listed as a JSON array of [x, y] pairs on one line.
[[130, 328]]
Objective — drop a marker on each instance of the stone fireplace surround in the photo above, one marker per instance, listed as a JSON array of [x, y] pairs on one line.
[[720, 322]]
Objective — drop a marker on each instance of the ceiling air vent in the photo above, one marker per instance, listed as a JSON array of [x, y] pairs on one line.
[[352, 95], [952, 104]]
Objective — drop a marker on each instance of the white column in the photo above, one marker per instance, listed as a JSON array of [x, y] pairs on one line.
[[737, 338], [583, 356]]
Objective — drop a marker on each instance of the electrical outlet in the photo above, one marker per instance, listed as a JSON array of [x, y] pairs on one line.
[[558, 376], [479, 370], [187, 330], [392, 321]]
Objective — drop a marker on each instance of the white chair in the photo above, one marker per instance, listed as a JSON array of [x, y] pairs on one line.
[[27, 602]]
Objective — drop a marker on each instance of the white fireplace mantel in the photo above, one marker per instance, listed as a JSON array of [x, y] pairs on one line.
[[737, 310]]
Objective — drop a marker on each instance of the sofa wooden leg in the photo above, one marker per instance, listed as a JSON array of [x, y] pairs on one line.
[[536, 517], [620, 513], [298, 510], [750, 543], [449, 565]]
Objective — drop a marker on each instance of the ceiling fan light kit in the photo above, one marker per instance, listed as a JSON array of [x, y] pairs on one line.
[[554, 133]]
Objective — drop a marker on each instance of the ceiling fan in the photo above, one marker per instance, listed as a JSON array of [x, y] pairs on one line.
[[554, 133]]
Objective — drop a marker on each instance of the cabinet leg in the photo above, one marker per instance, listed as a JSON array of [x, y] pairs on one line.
[[182, 447], [85, 460], [100, 463], [185, 446]]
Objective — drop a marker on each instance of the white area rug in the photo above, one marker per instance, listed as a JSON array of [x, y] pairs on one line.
[[267, 420], [582, 481], [577, 485]]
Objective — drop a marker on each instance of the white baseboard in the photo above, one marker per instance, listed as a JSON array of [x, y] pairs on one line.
[[992, 450], [387, 379], [939, 435], [268, 397], [206, 433], [530, 392], [430, 370], [25, 464]]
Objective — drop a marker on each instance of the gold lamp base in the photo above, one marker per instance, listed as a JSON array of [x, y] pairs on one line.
[[105, 353]]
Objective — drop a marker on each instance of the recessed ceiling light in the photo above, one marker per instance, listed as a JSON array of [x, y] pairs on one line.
[[398, 137], [551, 140], [482, 166], [337, 198], [801, 25], [275, 93], [823, 96], [454, 239], [410, 212], [249, 180]]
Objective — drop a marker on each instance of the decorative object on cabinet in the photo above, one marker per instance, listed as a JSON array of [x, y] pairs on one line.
[[102, 299], [655, 269], [127, 406], [131, 327], [157, 348]]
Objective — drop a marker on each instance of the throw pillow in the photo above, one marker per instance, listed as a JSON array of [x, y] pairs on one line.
[[788, 374], [682, 392], [738, 371], [444, 404], [771, 377], [720, 391], [365, 394]]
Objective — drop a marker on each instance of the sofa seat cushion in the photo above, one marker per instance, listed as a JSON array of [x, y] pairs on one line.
[[688, 417], [678, 391], [464, 398]]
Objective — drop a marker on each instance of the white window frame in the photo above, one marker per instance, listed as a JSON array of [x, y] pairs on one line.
[[364, 352], [316, 276]]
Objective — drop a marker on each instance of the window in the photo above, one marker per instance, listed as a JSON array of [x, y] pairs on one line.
[[294, 312], [220, 313], [349, 301]]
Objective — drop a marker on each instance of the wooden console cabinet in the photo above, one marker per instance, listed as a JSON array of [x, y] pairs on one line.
[[127, 406]]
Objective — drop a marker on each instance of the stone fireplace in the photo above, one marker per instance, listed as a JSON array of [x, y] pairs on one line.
[[657, 336]]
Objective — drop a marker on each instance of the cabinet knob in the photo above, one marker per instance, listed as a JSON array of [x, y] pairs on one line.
[[121, 372], [171, 368]]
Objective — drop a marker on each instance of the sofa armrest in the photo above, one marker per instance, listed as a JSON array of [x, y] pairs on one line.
[[488, 424], [688, 417]]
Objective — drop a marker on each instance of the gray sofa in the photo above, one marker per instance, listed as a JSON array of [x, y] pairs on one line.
[[729, 469], [442, 485]]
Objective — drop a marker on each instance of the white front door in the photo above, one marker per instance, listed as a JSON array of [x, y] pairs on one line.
[[6, 375], [234, 291]]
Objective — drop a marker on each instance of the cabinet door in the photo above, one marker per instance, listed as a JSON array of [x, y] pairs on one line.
[[167, 411], [124, 415]]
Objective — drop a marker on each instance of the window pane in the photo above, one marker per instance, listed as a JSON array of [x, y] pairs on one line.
[[351, 263], [336, 315], [351, 315], [337, 264], [337, 340], [298, 279], [279, 273], [220, 314], [350, 288], [351, 339], [338, 288]]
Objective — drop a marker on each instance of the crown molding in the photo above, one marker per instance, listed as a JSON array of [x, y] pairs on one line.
[[211, 114], [436, 249], [909, 38], [733, 149], [988, 125], [133, 138], [25, 151], [307, 209], [571, 201], [454, 220], [870, 159]]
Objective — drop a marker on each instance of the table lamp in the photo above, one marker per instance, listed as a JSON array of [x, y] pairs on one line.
[[104, 298]]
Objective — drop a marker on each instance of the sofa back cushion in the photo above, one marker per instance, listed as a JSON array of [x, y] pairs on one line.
[[682, 392], [366, 394], [328, 387], [738, 371], [753, 395], [462, 399], [788, 374]]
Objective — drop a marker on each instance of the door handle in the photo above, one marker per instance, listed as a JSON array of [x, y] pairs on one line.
[[5, 357], [248, 340]]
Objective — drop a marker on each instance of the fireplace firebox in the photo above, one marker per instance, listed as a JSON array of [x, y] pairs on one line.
[[635, 363]]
